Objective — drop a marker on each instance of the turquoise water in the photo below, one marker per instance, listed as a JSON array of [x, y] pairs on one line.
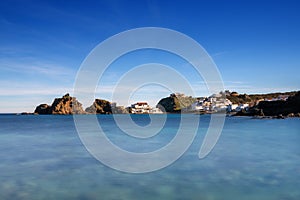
[[42, 157]]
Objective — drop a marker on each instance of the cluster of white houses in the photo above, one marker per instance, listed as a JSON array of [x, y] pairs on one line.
[[144, 108], [213, 103]]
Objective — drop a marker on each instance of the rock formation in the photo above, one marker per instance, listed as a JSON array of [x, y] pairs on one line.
[[100, 106], [236, 98], [290, 107], [175, 103], [119, 110], [66, 105], [42, 109], [169, 104]]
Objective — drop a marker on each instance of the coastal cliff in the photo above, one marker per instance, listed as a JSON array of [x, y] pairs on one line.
[[42, 109], [100, 106], [236, 98], [175, 103], [169, 104], [66, 105], [290, 108]]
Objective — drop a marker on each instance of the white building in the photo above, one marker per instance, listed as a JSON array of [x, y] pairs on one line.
[[232, 107], [140, 108], [220, 108], [197, 106], [242, 106]]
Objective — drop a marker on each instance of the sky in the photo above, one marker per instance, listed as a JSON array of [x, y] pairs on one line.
[[254, 44]]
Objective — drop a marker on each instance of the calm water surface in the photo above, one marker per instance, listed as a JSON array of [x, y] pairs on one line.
[[42, 157]]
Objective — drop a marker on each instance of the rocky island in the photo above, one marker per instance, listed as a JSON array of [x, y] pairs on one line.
[[100, 106], [176, 103], [66, 105]]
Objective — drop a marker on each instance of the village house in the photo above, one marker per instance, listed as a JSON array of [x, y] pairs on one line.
[[140, 108]]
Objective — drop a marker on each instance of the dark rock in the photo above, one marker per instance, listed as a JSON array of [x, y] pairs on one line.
[[176, 103], [42, 109], [100, 106], [253, 111], [280, 116], [253, 99], [26, 113], [169, 104], [275, 108], [291, 105]]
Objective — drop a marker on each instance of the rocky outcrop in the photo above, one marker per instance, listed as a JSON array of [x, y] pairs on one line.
[[42, 109], [66, 105], [236, 98], [253, 99], [290, 107], [120, 110], [100, 106], [169, 104], [175, 103]]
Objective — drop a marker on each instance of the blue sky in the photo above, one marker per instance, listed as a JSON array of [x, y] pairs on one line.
[[255, 44]]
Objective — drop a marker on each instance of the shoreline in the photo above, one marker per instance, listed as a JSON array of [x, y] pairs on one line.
[[286, 105], [230, 115]]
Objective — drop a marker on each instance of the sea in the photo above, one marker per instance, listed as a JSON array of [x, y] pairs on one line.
[[42, 157]]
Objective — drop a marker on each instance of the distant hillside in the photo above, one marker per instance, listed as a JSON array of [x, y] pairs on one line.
[[175, 103], [236, 98], [290, 107]]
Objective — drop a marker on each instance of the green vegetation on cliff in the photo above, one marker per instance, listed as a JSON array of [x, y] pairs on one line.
[[290, 107], [236, 98], [175, 103]]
